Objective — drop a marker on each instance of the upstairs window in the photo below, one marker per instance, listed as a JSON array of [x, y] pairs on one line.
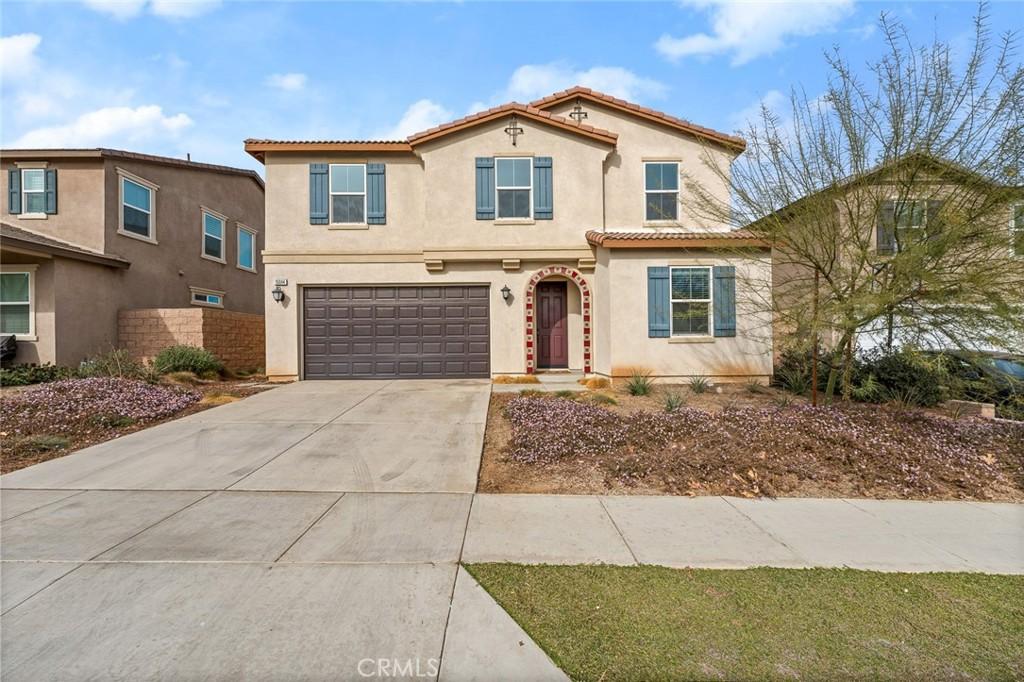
[[911, 220], [246, 249], [33, 190], [514, 187], [661, 191], [1017, 229], [213, 236], [136, 209], [691, 301], [348, 194]]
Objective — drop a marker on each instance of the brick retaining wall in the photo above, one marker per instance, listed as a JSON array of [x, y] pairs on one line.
[[235, 338]]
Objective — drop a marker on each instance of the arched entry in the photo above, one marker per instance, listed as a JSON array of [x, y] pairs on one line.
[[569, 274]]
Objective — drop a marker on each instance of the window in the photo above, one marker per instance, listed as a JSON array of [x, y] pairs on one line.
[[213, 236], [136, 209], [691, 301], [1017, 229], [661, 191], [911, 220], [16, 315], [207, 297], [514, 185], [246, 249], [33, 190], [348, 194]]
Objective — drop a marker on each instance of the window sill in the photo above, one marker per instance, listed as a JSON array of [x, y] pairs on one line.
[[348, 226], [245, 269], [207, 305], [515, 221], [26, 337], [691, 339], [215, 260], [148, 240], [31, 216], [660, 223]]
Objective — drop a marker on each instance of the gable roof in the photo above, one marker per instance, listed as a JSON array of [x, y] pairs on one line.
[[16, 236], [524, 110], [103, 152], [733, 142]]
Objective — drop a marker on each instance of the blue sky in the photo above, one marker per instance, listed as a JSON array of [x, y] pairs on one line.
[[174, 77]]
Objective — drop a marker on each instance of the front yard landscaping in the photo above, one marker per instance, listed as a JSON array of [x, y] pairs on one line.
[[51, 420], [744, 440], [645, 622]]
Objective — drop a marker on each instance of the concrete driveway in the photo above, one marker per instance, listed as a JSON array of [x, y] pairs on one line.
[[311, 531]]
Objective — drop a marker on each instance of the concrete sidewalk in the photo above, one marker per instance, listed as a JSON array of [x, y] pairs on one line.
[[720, 532]]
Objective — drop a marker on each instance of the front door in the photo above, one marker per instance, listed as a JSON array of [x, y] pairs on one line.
[[552, 325]]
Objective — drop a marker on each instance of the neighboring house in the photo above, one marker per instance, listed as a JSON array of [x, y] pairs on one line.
[[542, 237], [872, 218], [86, 233]]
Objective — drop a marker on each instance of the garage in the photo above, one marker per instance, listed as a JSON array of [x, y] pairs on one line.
[[388, 332]]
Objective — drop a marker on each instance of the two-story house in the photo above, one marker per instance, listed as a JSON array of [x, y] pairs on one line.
[[86, 233], [525, 238]]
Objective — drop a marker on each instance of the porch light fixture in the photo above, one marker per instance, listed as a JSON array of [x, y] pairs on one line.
[[505, 292], [278, 294]]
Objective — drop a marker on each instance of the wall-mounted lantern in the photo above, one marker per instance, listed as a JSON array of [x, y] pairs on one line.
[[505, 292], [278, 294]]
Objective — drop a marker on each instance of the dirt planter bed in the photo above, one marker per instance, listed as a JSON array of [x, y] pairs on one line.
[[738, 442]]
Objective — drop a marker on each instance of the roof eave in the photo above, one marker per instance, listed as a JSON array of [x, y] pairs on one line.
[[74, 254]]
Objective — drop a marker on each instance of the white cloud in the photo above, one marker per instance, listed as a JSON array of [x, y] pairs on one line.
[[168, 9], [290, 82], [182, 9], [531, 81], [748, 30], [751, 115], [111, 125], [421, 115], [18, 56]]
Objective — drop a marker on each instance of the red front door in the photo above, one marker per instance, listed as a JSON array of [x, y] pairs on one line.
[[552, 325]]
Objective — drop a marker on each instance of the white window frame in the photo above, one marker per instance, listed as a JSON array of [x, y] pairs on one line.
[[331, 194], [1015, 230], [710, 300], [676, 191], [920, 229], [223, 233], [238, 247], [194, 292], [498, 188], [24, 192], [123, 175], [30, 270]]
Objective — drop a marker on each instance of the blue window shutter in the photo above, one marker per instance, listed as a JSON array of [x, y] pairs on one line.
[[14, 191], [657, 303], [484, 188], [319, 209], [725, 300], [543, 199], [50, 194], [376, 196], [885, 233]]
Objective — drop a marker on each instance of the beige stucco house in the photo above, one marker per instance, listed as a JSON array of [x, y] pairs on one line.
[[526, 238], [86, 233]]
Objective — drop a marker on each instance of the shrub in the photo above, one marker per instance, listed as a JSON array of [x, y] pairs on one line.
[[199, 361], [903, 376], [699, 384], [754, 386], [117, 363], [23, 375], [639, 383], [43, 443], [673, 401], [793, 379], [566, 393], [603, 399], [596, 382], [500, 379]]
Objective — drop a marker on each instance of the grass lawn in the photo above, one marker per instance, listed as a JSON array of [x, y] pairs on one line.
[[652, 623]]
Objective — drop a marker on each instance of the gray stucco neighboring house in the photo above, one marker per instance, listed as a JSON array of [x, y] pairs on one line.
[[85, 233]]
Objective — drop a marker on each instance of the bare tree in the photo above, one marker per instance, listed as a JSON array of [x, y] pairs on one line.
[[889, 199]]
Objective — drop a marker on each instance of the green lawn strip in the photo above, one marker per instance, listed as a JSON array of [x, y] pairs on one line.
[[654, 623]]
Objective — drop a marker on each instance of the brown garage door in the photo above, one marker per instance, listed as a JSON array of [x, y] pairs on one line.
[[386, 332]]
